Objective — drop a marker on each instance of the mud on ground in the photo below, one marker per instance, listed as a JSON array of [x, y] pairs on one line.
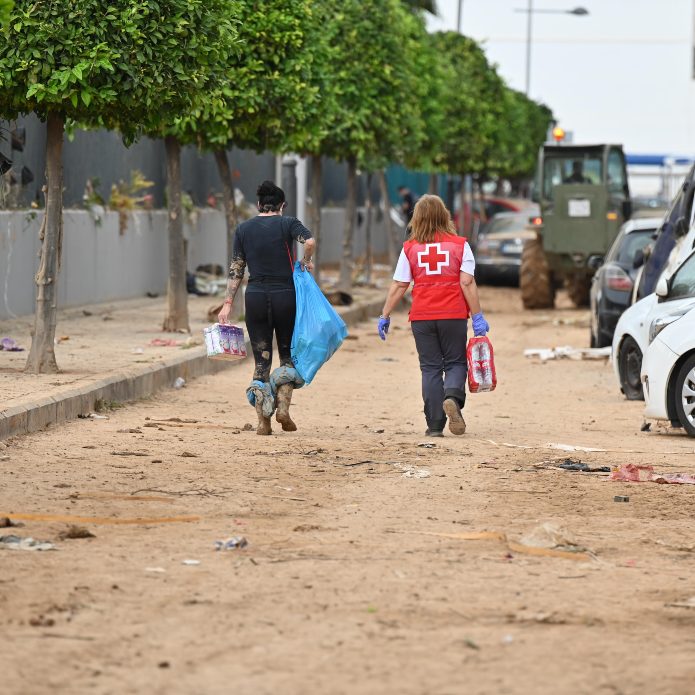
[[360, 575]]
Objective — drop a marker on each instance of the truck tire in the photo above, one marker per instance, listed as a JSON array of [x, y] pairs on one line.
[[578, 287], [535, 279]]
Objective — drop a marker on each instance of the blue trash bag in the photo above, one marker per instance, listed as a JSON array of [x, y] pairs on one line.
[[318, 330]]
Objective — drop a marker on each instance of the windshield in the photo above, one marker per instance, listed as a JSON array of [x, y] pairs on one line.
[[507, 224], [632, 243], [570, 168], [683, 281]]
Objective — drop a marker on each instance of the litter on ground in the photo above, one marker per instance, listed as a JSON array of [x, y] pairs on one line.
[[568, 352], [19, 543], [631, 473]]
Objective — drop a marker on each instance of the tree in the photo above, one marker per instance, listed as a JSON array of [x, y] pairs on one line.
[[5, 9], [261, 93], [371, 81], [97, 66]]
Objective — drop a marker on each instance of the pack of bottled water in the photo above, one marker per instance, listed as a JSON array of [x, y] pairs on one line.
[[225, 341], [481, 365]]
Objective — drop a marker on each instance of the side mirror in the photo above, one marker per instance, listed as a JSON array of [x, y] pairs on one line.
[[627, 209], [594, 262], [681, 228], [638, 259], [662, 287]]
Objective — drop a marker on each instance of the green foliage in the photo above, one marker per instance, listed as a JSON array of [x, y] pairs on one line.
[[260, 95], [112, 63], [5, 9]]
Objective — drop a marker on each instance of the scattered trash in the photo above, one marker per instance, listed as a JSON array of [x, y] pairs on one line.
[[427, 445], [569, 352], [631, 473], [550, 535], [190, 563], [412, 471], [62, 339], [686, 603], [621, 498], [130, 430], [165, 342], [574, 465], [378, 431], [138, 351], [179, 383], [507, 639], [156, 570], [10, 345], [129, 453], [74, 532], [231, 543], [19, 543], [93, 416], [572, 447], [646, 427]]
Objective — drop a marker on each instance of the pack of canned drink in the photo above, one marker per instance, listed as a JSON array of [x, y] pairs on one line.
[[225, 341]]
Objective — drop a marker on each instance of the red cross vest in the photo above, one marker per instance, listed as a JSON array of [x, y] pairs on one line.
[[436, 268]]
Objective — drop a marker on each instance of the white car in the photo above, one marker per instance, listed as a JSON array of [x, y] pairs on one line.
[[668, 368], [634, 333]]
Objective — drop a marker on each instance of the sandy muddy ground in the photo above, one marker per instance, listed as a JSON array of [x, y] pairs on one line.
[[358, 576]]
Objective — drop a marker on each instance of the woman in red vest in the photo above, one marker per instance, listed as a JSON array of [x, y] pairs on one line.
[[441, 266]]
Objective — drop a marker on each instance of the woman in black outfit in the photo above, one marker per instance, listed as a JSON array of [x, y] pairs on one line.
[[265, 244]]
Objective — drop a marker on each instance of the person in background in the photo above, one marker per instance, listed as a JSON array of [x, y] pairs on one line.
[[407, 203], [265, 244], [441, 266], [577, 175]]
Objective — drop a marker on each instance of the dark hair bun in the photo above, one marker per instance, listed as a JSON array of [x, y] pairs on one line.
[[270, 197]]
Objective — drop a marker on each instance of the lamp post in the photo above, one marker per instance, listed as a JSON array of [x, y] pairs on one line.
[[530, 11]]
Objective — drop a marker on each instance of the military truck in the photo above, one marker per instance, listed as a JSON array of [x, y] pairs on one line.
[[584, 197]]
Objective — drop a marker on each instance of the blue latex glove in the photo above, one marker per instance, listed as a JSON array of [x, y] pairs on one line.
[[480, 325], [383, 327]]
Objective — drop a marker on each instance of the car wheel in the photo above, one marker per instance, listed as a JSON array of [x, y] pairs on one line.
[[685, 395], [630, 366]]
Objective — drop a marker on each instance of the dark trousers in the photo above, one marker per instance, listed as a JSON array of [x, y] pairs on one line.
[[441, 347], [270, 310]]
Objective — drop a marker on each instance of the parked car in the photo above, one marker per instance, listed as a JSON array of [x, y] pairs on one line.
[[668, 369], [677, 222], [500, 243], [493, 207], [640, 323], [612, 284]]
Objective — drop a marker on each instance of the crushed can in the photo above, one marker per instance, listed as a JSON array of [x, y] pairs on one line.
[[481, 365], [224, 341]]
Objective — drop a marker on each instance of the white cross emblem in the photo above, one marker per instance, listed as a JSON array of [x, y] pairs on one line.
[[433, 256]]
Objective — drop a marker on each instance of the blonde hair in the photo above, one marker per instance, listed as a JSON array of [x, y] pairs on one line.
[[430, 218]]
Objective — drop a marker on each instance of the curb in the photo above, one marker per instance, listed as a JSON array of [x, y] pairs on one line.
[[130, 385]]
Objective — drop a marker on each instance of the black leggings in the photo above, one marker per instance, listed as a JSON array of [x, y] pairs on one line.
[[270, 311]]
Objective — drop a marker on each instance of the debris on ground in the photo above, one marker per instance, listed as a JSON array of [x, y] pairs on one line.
[[179, 382], [551, 535], [411, 471], [155, 570], [42, 621], [93, 416], [568, 352], [10, 345], [74, 532], [231, 543], [576, 465], [631, 473], [621, 498], [427, 445], [190, 563], [19, 543], [686, 603], [247, 427], [646, 427], [6, 522], [572, 447]]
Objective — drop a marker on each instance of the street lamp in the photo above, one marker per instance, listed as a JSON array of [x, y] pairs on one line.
[[577, 12]]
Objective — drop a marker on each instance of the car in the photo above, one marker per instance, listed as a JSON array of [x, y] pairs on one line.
[[676, 224], [612, 284], [668, 368], [500, 243], [633, 333], [493, 207]]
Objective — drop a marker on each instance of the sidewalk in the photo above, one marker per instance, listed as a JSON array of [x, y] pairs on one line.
[[105, 352]]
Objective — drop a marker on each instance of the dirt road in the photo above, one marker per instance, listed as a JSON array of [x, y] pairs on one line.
[[365, 570]]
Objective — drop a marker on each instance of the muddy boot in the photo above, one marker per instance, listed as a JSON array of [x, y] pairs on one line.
[[457, 425], [263, 420], [284, 398]]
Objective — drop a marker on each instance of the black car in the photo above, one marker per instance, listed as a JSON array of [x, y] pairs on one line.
[[612, 284]]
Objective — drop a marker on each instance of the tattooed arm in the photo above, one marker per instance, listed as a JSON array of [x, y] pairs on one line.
[[236, 275]]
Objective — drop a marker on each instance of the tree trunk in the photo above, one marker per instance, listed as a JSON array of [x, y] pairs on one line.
[[434, 184], [462, 209], [368, 261], [391, 241], [315, 222], [42, 357], [230, 211], [177, 296], [347, 261]]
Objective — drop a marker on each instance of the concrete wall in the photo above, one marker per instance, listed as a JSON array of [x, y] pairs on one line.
[[100, 264]]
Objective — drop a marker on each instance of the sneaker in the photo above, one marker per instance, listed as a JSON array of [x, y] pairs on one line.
[[434, 433], [457, 425]]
